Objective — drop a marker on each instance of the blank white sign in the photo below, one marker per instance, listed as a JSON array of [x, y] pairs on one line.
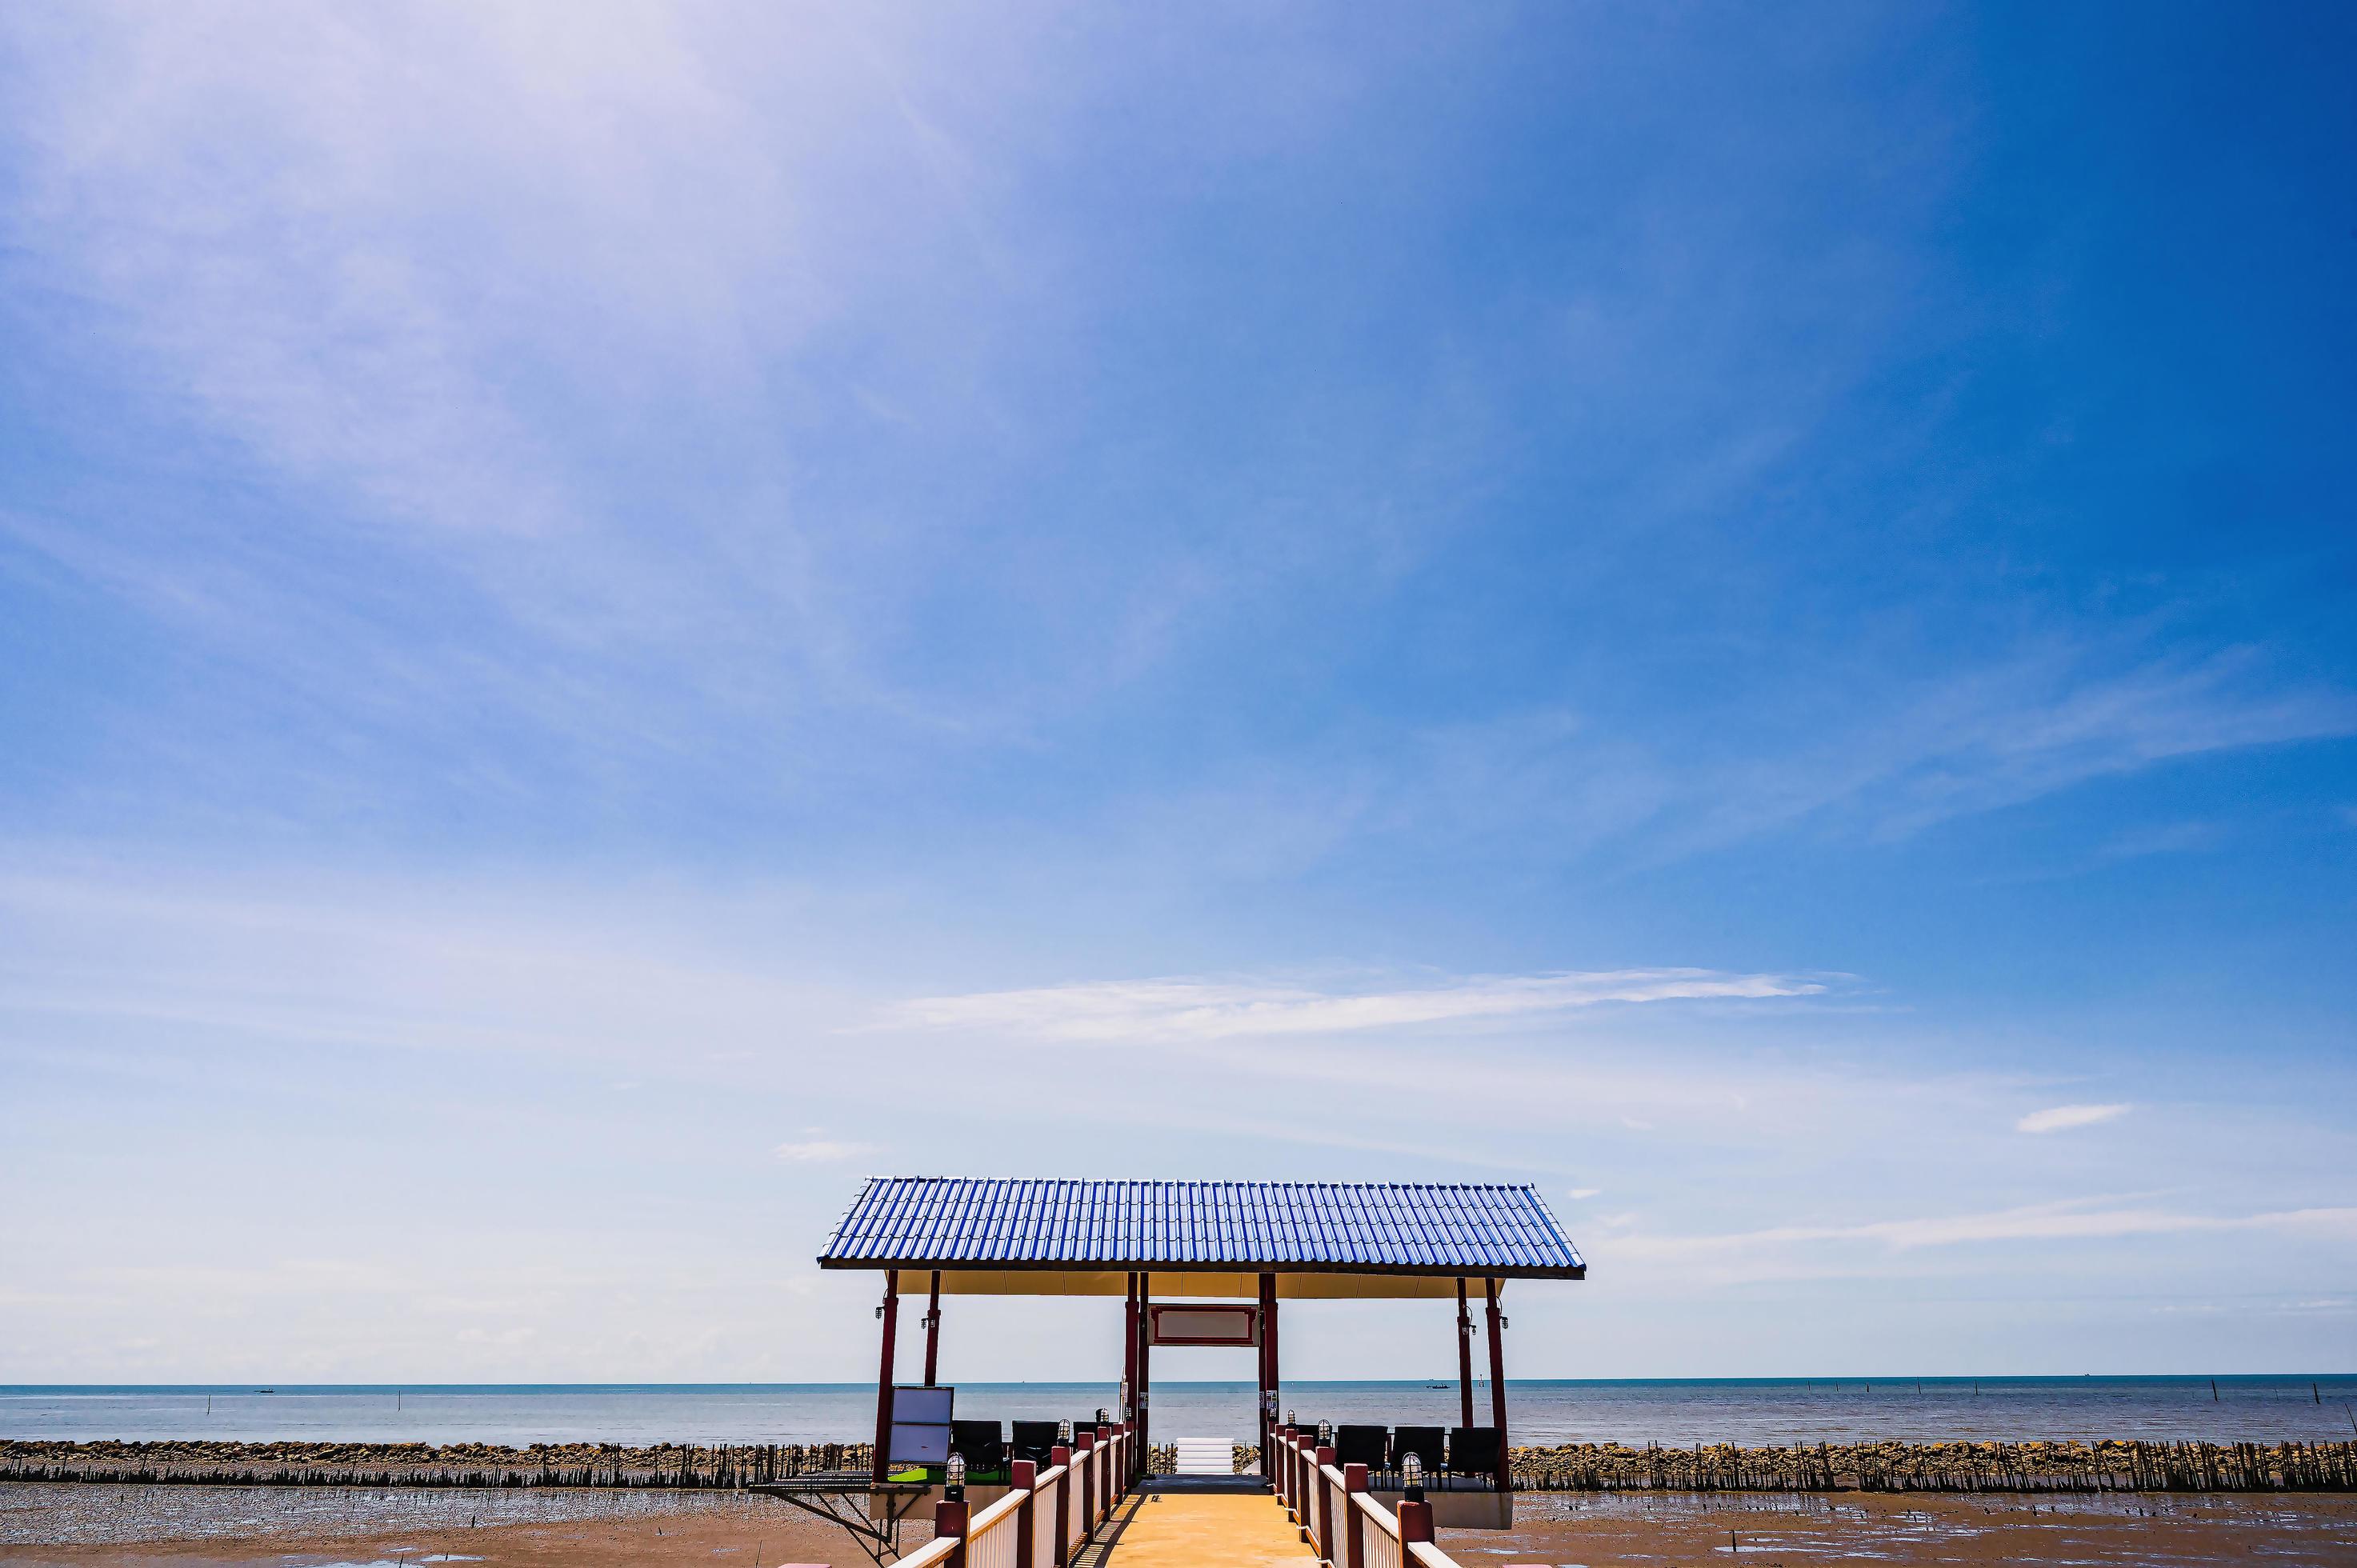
[[920, 1444], [1206, 1325]]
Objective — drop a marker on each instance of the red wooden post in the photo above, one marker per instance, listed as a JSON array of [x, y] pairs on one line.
[[933, 1332], [1084, 1455], [1416, 1523], [1354, 1530], [1275, 1371], [1325, 1502], [1464, 1355], [1024, 1475], [1060, 1459], [1498, 1390], [1267, 1341], [1129, 1315], [948, 1524], [1144, 1370], [891, 1312]]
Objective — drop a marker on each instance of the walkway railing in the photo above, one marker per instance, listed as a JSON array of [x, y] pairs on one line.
[[1046, 1517], [1338, 1517]]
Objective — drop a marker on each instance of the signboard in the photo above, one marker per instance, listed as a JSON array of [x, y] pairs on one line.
[[1201, 1325], [921, 1424]]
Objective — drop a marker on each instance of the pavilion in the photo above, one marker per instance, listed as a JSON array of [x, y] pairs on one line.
[[1209, 1263]]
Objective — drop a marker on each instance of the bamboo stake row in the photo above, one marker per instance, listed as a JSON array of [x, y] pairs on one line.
[[668, 1466], [2106, 1466]]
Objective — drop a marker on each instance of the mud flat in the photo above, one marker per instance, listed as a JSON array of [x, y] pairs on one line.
[[133, 1526], [2131, 1530], [190, 1526]]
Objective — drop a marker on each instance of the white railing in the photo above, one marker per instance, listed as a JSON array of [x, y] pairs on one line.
[[1079, 1491], [996, 1537], [1043, 1515], [935, 1550], [1021, 1529], [1349, 1527], [1380, 1531]]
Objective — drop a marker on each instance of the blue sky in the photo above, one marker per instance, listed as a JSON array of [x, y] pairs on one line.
[[610, 618]]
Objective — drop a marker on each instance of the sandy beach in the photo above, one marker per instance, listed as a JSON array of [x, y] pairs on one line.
[[207, 1527]]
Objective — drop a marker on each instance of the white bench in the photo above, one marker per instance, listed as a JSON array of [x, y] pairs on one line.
[[1204, 1456]]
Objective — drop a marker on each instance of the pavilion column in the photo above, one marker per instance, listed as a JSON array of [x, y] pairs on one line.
[[933, 1332], [1260, 1380], [1144, 1340], [891, 1313], [1464, 1356], [1498, 1388], [1129, 1347], [1268, 1338]]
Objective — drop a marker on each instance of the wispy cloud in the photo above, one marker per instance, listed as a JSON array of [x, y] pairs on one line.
[[2039, 1222], [820, 1151], [2046, 719], [2063, 1118], [1207, 1009]]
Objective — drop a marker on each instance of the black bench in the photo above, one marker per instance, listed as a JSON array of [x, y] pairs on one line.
[[1424, 1442], [980, 1445], [1361, 1445], [1035, 1440], [1473, 1451]]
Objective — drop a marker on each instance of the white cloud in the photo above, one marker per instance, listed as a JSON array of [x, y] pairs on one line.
[[2063, 1118], [2040, 1222], [1582, 1193], [1204, 1009], [819, 1151]]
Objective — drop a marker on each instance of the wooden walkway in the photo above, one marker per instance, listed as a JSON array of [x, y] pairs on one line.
[[1197, 1529]]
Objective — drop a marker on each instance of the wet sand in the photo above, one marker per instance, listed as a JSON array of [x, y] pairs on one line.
[[336, 1527], [247, 1527], [2147, 1531]]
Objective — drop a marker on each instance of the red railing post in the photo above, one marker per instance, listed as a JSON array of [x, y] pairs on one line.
[[1416, 1524], [948, 1524], [1060, 1459], [1355, 1529], [1084, 1457], [1024, 1475], [1325, 1492]]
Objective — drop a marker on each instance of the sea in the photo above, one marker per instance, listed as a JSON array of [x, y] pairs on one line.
[[1673, 1412]]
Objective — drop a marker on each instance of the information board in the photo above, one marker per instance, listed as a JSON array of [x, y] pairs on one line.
[[920, 1423], [1201, 1325]]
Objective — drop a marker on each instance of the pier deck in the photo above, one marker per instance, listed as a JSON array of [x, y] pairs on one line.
[[1197, 1529]]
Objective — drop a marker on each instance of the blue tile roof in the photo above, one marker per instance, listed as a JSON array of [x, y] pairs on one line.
[[1498, 1230]]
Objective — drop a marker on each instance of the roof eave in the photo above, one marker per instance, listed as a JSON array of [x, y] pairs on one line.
[[1214, 1265]]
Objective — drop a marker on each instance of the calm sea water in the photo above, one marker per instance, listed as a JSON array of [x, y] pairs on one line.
[[1745, 1410]]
